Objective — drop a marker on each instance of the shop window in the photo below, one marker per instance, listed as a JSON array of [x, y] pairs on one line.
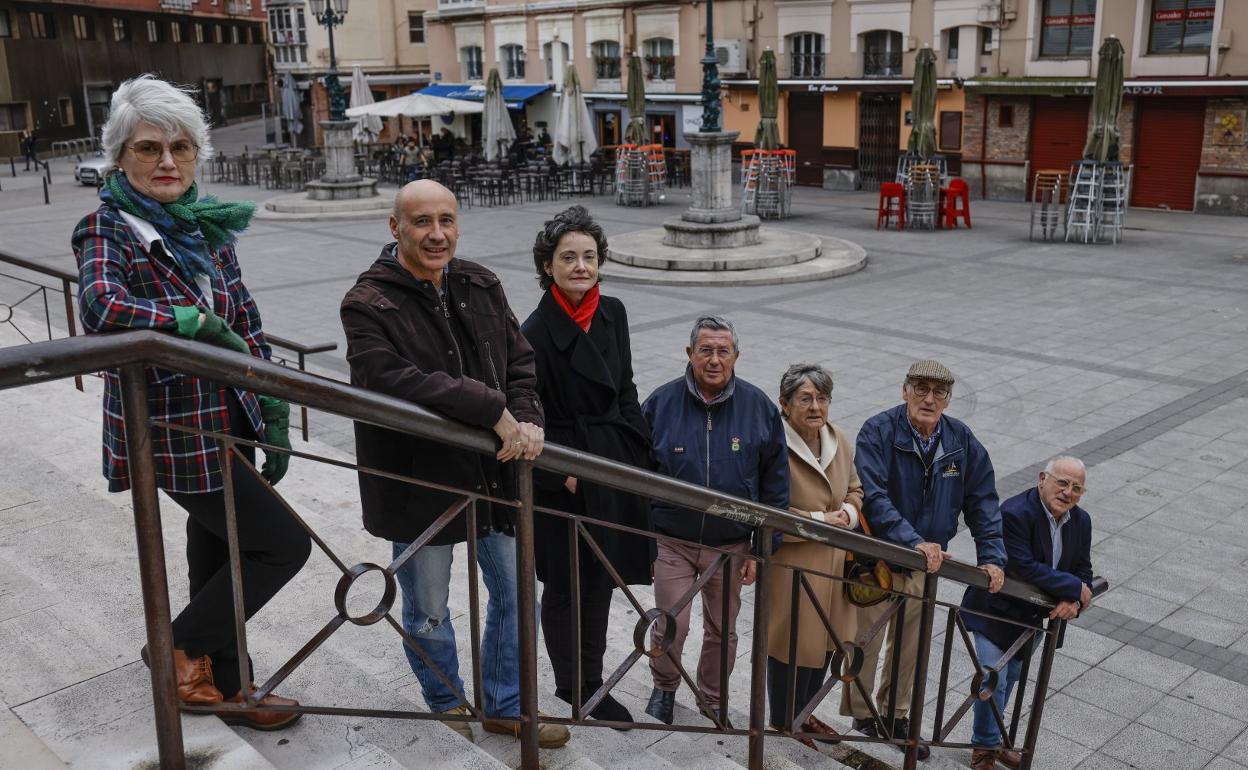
[[662, 127], [65, 106], [950, 131], [608, 129], [951, 44], [1066, 28], [234, 36], [153, 31], [881, 56], [660, 58], [84, 27], [606, 55], [1005, 115], [415, 27], [471, 57], [121, 29], [42, 25], [177, 31], [12, 117], [218, 35], [1181, 26], [512, 57], [806, 55]]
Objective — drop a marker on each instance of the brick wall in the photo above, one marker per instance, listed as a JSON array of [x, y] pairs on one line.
[[1004, 142], [1215, 155], [1126, 130]]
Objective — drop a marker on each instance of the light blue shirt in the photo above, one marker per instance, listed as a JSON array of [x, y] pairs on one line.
[[1055, 532]]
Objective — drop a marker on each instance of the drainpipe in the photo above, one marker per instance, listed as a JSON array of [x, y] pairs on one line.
[[983, 151]]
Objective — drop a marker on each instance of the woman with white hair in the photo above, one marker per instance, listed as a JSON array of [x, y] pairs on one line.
[[155, 255]]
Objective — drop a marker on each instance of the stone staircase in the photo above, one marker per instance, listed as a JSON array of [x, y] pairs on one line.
[[71, 626]]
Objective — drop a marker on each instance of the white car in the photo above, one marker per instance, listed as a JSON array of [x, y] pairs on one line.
[[91, 170]]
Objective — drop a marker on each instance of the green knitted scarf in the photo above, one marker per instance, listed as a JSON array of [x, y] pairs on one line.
[[219, 221]]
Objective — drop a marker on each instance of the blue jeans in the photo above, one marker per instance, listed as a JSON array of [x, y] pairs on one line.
[[984, 730], [425, 581]]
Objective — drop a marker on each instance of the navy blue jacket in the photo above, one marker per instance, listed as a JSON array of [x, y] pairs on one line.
[[734, 444], [908, 502], [1030, 547]]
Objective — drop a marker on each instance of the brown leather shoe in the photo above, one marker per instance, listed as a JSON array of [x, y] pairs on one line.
[[984, 759], [1010, 758], [815, 725], [549, 736], [262, 720], [808, 743], [195, 685]]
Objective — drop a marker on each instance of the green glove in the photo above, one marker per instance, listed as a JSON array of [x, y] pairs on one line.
[[215, 331], [276, 414]]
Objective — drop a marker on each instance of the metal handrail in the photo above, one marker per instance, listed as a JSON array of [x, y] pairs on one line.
[[57, 359]]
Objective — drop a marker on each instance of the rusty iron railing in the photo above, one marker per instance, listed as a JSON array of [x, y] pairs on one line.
[[130, 352]]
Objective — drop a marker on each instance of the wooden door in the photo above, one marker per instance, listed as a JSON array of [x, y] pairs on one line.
[[805, 128]]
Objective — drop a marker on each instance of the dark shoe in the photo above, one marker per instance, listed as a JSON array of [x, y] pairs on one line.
[[814, 725], [608, 709], [713, 715], [808, 743], [901, 729], [262, 720], [867, 727], [984, 759], [1010, 758], [661, 705], [194, 676]]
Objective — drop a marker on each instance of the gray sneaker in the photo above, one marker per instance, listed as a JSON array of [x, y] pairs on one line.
[[463, 728]]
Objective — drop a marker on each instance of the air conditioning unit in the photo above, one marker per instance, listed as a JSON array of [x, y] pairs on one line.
[[989, 13], [733, 58]]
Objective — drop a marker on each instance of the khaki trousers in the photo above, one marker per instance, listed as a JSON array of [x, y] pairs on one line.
[[852, 703], [677, 566]]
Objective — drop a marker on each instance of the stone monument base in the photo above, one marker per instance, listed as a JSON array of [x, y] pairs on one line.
[[686, 234], [341, 190]]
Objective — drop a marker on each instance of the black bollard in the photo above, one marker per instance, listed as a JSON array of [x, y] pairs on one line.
[[46, 199], [47, 172], [12, 168]]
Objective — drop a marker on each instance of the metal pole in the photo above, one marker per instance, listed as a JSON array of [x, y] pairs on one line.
[[758, 656], [46, 200], [70, 324], [926, 615], [303, 410], [152, 576], [526, 603], [1042, 689]]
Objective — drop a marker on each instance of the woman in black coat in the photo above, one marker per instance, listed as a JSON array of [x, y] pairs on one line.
[[585, 382]]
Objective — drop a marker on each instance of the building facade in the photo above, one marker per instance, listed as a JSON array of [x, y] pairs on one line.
[[60, 61]]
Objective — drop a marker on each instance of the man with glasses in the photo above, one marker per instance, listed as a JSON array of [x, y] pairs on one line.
[[713, 429], [919, 470], [1049, 541]]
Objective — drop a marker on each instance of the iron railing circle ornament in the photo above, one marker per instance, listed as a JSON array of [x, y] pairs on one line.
[[641, 633], [6, 313], [847, 661], [984, 683], [344, 587]]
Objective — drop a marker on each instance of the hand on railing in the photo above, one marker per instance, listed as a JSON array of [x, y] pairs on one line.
[[276, 415], [996, 577], [520, 439], [934, 555]]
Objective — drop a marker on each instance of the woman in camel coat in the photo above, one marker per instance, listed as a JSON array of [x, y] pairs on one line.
[[823, 486]]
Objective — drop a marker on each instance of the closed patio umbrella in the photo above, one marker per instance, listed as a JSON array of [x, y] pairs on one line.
[[636, 131], [1103, 136], [767, 137], [368, 126], [923, 105], [291, 109], [497, 129], [417, 105], [574, 136]]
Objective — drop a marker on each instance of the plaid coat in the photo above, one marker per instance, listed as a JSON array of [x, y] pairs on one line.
[[125, 283]]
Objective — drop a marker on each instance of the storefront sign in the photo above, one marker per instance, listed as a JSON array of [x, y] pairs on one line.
[[691, 118], [1193, 14], [822, 88], [1126, 90], [1228, 127]]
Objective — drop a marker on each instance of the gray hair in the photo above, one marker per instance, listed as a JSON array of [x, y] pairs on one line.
[[792, 379], [148, 99], [713, 323], [1052, 464]]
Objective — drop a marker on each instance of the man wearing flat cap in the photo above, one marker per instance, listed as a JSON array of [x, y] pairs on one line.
[[919, 470]]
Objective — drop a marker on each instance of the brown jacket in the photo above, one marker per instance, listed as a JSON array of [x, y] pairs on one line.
[[821, 483], [403, 341]]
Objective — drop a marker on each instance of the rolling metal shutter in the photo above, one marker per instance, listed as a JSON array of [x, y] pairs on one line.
[[1169, 133], [1059, 129]]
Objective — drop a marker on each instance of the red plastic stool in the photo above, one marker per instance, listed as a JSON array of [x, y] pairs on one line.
[[889, 192], [957, 192]]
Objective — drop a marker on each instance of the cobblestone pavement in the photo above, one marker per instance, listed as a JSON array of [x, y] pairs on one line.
[[1130, 356]]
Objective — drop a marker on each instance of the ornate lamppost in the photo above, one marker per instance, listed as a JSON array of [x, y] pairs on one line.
[[711, 120], [341, 180], [330, 15]]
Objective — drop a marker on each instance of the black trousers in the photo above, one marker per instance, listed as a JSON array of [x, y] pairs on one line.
[[272, 547], [809, 680], [557, 628]]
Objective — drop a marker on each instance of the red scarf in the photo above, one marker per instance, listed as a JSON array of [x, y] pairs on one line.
[[583, 313]]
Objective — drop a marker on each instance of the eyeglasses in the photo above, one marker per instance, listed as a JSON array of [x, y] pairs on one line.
[[1066, 484], [923, 390], [806, 400], [705, 352], [183, 151]]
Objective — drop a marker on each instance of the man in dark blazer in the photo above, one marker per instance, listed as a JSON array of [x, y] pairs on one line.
[[1048, 539]]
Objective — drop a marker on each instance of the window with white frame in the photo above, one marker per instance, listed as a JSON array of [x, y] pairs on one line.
[[985, 40], [471, 57], [415, 27], [881, 55], [951, 44], [660, 58], [606, 55], [289, 35], [806, 55], [1181, 26], [512, 58]]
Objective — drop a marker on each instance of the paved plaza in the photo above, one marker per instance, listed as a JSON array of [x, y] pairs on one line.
[[1132, 357]]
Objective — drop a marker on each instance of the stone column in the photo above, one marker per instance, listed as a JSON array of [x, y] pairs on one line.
[[341, 182], [710, 165]]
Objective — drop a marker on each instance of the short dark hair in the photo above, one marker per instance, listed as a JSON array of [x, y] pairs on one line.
[[573, 219]]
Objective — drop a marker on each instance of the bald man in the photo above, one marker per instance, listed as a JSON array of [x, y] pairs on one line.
[[435, 330]]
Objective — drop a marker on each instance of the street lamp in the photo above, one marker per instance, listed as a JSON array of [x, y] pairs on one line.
[[710, 76], [329, 15]]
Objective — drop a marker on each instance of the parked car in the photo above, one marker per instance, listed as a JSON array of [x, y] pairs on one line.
[[91, 169]]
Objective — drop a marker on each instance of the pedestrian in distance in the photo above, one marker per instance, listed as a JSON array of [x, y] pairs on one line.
[[156, 255], [427, 327], [585, 381]]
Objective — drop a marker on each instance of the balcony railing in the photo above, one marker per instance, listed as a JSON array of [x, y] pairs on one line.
[[130, 352], [238, 7], [881, 64], [607, 68], [176, 5], [806, 65], [451, 6], [660, 67]]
